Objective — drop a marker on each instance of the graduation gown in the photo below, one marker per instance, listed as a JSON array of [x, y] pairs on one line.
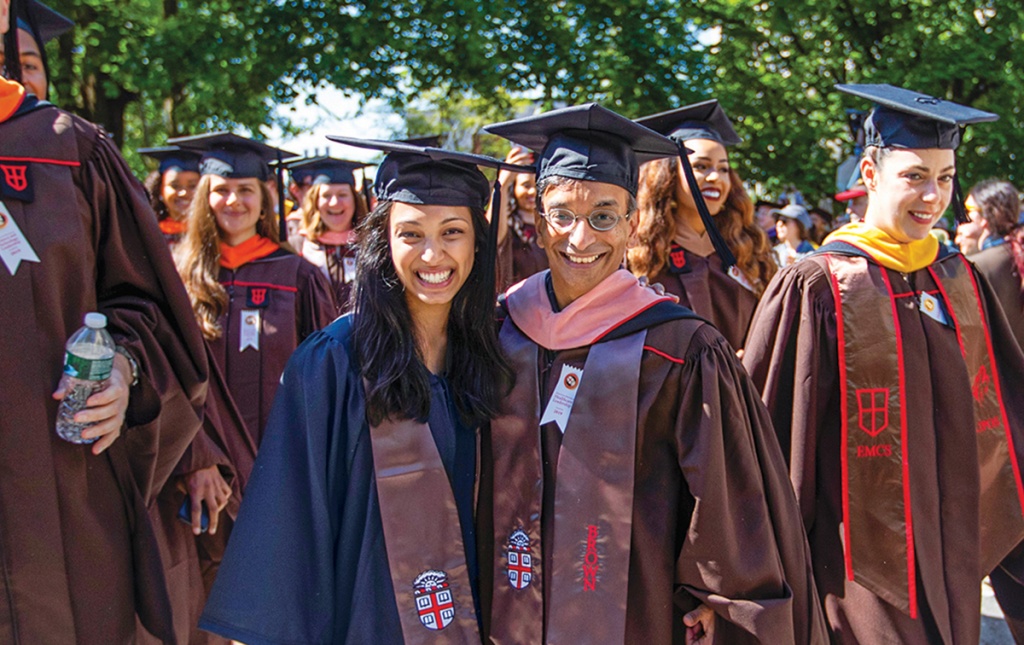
[[702, 285], [996, 264], [713, 518], [792, 355], [337, 262], [519, 256], [292, 299], [307, 562], [78, 556]]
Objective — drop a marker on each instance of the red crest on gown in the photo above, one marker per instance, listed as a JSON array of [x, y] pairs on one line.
[[519, 561], [873, 410], [434, 602]]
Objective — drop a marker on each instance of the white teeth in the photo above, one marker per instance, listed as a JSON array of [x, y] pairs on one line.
[[582, 259], [711, 193], [435, 278], [920, 216]]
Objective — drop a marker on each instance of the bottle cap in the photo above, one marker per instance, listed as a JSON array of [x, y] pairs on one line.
[[94, 320]]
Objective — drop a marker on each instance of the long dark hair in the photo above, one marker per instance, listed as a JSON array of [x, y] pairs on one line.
[[398, 384]]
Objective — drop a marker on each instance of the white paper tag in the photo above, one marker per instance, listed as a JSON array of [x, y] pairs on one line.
[[560, 405], [348, 265], [737, 275], [250, 336], [932, 307], [14, 248]]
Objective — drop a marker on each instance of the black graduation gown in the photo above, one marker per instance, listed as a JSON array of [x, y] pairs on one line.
[[306, 562]]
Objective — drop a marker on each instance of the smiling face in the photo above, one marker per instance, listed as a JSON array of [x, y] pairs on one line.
[[237, 206], [337, 206], [525, 190], [176, 190], [908, 191], [710, 164], [432, 248], [581, 258]]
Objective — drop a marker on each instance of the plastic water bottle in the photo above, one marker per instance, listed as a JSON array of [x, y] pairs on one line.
[[88, 361]]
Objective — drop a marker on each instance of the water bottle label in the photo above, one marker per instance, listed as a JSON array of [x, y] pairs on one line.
[[89, 369]]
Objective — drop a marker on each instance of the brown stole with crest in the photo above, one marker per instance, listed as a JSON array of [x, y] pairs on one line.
[[875, 461], [593, 510], [422, 536], [1002, 492]]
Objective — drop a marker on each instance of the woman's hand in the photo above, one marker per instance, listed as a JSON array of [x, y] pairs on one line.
[[207, 485], [700, 626], [106, 409]]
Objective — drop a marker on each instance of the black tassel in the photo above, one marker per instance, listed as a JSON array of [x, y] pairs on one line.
[[723, 250], [490, 258]]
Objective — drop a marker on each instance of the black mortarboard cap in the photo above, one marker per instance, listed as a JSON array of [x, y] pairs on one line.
[[43, 23], [907, 119], [587, 142], [324, 170], [429, 141], [704, 120], [173, 158], [426, 175], [232, 156]]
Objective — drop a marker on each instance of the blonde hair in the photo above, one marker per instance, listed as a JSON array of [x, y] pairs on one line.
[[313, 224], [198, 255], [661, 192]]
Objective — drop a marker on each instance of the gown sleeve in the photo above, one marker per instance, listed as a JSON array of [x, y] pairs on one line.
[[315, 302], [791, 355], [148, 313], [277, 583], [745, 554]]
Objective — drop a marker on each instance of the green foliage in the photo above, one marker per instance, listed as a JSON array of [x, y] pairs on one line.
[[148, 69]]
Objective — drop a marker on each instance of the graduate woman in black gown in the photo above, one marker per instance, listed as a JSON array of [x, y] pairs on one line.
[[357, 525]]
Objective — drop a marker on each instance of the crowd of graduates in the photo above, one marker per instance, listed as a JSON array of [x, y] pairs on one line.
[[604, 398]]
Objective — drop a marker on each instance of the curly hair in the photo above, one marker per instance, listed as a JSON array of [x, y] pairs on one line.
[[661, 192], [198, 256]]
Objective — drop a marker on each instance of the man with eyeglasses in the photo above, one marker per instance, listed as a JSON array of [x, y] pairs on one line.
[[638, 494]]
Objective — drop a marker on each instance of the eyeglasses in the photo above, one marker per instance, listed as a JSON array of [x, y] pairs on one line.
[[564, 219]]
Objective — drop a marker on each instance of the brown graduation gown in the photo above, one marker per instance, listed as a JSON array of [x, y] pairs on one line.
[[792, 355], [294, 300], [519, 256], [713, 516], [336, 262], [703, 286], [996, 264], [66, 516]]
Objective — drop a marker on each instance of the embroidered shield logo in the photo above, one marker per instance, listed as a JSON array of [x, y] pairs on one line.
[[434, 602], [519, 561], [257, 297], [678, 257], [15, 176], [873, 410]]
